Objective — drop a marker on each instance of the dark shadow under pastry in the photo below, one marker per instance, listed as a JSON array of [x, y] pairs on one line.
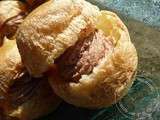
[[32, 4]]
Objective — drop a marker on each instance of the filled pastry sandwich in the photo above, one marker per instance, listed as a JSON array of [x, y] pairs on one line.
[[22, 97], [86, 53]]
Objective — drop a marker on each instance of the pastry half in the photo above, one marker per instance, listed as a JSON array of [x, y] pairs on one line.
[[22, 96], [52, 28], [97, 71]]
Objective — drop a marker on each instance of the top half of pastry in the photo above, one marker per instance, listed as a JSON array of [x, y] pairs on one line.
[[57, 25], [52, 28]]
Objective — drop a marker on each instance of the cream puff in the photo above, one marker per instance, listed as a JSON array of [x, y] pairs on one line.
[[97, 71], [87, 53], [22, 97]]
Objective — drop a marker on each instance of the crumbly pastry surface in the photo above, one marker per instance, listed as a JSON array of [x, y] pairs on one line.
[[21, 95], [111, 78], [52, 28]]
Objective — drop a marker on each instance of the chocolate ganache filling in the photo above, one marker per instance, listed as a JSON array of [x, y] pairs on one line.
[[81, 58]]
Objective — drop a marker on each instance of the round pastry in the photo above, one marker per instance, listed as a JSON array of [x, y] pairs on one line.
[[52, 28], [88, 53], [97, 71], [21, 96], [11, 15]]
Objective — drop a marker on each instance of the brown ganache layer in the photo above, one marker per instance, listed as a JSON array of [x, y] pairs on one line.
[[81, 58]]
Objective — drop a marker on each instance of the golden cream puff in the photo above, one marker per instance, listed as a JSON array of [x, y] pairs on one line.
[[97, 71], [87, 53], [22, 97]]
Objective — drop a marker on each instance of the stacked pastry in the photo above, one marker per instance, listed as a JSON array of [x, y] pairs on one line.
[[22, 97], [83, 53]]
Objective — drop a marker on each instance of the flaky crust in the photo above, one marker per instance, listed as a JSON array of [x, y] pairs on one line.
[[42, 101], [52, 28], [111, 78]]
